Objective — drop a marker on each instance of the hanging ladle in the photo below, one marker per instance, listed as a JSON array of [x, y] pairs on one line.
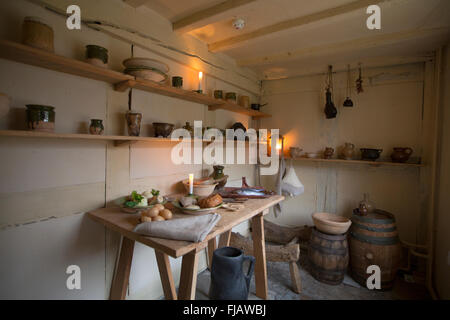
[[348, 102]]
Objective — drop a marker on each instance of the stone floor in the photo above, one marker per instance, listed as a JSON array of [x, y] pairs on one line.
[[279, 283]]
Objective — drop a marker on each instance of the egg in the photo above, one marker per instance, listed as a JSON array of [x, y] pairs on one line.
[[158, 218], [159, 206], [166, 214], [146, 219], [152, 212]]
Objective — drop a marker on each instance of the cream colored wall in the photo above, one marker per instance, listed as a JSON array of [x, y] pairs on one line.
[[48, 185], [442, 235], [387, 114]]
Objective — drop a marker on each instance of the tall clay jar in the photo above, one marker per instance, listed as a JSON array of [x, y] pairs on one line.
[[348, 151], [96, 127], [134, 123]]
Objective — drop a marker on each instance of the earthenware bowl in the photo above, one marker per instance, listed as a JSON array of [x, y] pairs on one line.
[[370, 154], [163, 129], [146, 63], [295, 152], [201, 190], [196, 212], [331, 223]]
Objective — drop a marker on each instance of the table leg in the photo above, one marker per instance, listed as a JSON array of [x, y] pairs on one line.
[[259, 250], [165, 272], [121, 276], [212, 245], [224, 239], [188, 279]]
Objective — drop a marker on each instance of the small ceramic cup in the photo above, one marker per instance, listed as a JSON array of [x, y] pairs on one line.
[[218, 94], [96, 127], [177, 82]]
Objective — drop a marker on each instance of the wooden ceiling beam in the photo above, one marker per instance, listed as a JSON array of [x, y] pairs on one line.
[[236, 41], [207, 16], [346, 46], [135, 3]]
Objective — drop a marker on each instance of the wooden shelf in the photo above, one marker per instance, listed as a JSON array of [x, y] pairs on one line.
[[360, 162], [40, 58], [118, 140], [237, 108]]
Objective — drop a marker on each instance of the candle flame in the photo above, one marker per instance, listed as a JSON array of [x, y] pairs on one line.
[[200, 75]]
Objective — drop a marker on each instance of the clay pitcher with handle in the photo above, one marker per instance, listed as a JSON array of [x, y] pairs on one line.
[[348, 151], [401, 154], [228, 280]]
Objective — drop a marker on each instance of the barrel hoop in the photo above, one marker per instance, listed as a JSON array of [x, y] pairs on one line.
[[375, 240], [331, 237], [337, 272], [389, 220], [336, 252], [357, 225]]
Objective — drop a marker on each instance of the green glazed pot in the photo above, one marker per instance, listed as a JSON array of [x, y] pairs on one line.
[[97, 52], [218, 94], [230, 96], [177, 82], [40, 118], [96, 127]]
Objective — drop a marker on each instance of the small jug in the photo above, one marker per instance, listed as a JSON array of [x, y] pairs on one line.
[[348, 151], [228, 281], [328, 153], [401, 154]]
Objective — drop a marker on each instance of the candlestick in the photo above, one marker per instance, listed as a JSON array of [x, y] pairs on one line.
[[200, 79], [191, 183]]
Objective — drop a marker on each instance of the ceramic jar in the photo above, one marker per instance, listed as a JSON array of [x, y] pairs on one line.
[[218, 94], [96, 55], [366, 205], [295, 152], [96, 127], [401, 154], [218, 172], [133, 123], [189, 128], [37, 34], [230, 96], [348, 151], [244, 101], [177, 82], [228, 280], [328, 153], [40, 118]]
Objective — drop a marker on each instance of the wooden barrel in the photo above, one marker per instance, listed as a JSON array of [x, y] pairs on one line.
[[374, 241], [328, 257]]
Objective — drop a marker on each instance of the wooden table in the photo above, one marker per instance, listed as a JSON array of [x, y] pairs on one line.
[[124, 223]]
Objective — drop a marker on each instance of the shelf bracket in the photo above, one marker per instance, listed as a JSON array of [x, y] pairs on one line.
[[124, 142], [124, 85]]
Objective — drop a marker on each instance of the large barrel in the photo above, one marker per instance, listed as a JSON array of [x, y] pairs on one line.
[[374, 241], [328, 257]]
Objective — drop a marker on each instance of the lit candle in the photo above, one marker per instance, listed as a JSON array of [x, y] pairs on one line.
[[191, 183], [200, 78]]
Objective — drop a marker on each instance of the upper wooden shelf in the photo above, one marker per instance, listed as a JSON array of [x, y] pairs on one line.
[[359, 162], [79, 136], [40, 58]]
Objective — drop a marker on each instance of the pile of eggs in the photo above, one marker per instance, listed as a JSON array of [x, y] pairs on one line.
[[156, 213]]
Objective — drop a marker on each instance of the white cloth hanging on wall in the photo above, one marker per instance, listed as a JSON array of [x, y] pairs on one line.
[[291, 184]]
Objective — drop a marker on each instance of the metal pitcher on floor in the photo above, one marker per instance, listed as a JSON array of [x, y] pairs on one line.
[[228, 281]]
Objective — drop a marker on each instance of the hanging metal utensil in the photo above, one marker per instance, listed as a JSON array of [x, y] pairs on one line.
[[359, 82], [348, 102], [330, 109]]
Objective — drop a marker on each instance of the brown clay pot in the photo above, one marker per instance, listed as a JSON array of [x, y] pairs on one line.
[[328, 153], [134, 123], [401, 154], [348, 151]]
